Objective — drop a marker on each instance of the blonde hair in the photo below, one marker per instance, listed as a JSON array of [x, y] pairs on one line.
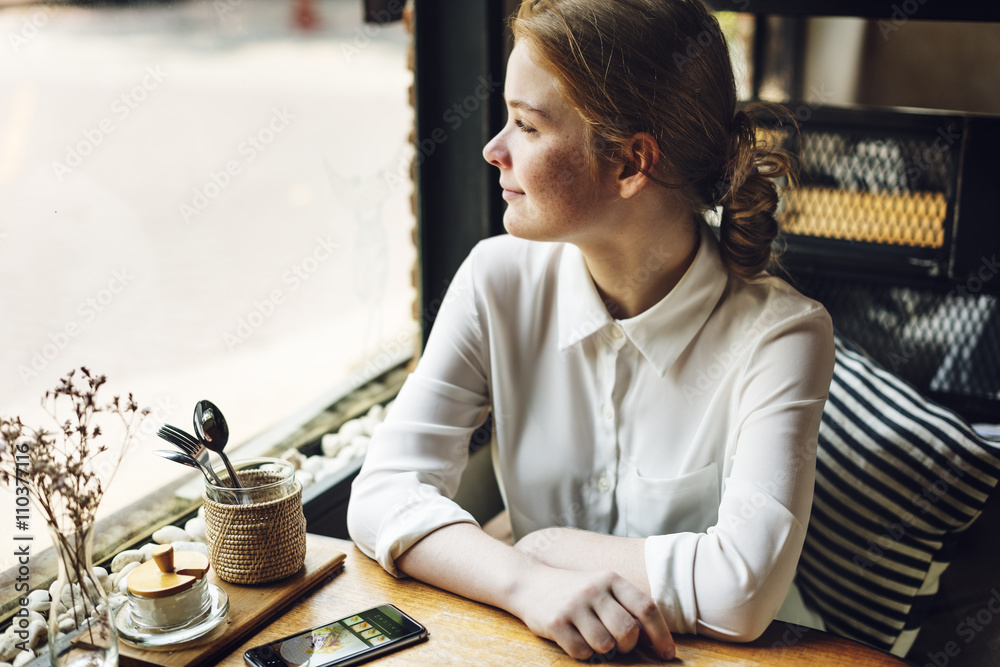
[[662, 67]]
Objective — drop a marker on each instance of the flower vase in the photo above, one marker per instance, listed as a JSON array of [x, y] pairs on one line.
[[82, 630]]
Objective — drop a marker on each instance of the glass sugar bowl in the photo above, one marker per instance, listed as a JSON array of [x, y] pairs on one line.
[[170, 601]]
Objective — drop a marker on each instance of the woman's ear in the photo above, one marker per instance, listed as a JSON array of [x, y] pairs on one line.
[[643, 154]]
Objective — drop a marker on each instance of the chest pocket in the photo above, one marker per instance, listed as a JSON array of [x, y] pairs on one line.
[[689, 503]]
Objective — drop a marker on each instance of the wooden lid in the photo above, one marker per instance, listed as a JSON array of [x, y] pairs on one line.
[[168, 573]]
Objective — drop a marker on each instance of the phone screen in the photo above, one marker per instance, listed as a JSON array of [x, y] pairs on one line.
[[345, 641]]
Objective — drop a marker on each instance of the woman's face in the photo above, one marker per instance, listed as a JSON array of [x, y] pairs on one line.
[[541, 153]]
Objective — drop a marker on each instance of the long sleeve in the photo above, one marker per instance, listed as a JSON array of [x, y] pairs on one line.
[[693, 425], [417, 455], [729, 581]]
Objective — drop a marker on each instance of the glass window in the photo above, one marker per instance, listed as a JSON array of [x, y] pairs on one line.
[[202, 200]]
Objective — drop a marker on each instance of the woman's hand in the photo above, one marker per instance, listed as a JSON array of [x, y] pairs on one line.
[[588, 612], [583, 610]]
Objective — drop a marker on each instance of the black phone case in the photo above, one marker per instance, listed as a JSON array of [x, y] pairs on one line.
[[264, 656]]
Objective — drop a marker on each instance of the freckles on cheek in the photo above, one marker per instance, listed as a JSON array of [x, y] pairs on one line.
[[564, 174]]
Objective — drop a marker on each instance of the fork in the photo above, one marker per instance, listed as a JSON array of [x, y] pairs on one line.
[[180, 434], [189, 446]]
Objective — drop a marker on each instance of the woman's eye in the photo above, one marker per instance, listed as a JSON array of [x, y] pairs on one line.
[[524, 128]]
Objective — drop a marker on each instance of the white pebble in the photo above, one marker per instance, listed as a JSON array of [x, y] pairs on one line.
[[122, 586], [351, 429], [147, 550], [118, 578], [369, 423], [359, 445], [57, 608], [340, 460], [124, 558], [34, 617], [331, 444], [294, 456], [345, 456], [8, 646], [326, 472], [39, 600], [201, 511], [127, 569], [376, 412], [196, 528], [101, 575], [200, 547], [388, 407], [38, 633], [66, 624], [171, 534], [306, 479], [313, 464], [69, 594], [23, 658]]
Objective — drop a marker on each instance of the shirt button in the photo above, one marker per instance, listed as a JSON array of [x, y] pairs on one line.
[[608, 412], [604, 484], [616, 333]]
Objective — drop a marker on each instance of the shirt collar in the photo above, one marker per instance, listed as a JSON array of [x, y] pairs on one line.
[[661, 333]]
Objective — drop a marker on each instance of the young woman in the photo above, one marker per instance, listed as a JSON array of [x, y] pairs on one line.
[[656, 395]]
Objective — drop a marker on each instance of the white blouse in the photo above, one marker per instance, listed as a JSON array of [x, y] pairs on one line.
[[693, 424]]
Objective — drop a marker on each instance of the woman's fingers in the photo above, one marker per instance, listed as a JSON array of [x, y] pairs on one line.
[[584, 635], [591, 612], [618, 622], [643, 610], [614, 616]]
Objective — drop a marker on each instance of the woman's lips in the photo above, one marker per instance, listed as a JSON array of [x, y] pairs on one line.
[[510, 195]]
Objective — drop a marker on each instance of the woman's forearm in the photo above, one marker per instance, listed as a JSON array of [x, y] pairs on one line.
[[461, 558], [583, 611], [573, 549]]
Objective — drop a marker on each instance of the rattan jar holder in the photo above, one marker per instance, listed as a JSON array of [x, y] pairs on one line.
[[260, 542]]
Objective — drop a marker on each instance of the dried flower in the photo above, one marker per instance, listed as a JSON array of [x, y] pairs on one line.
[[57, 467], [58, 470]]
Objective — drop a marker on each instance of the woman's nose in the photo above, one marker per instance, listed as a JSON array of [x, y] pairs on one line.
[[495, 151]]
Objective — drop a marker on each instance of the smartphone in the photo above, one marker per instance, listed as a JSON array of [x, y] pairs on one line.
[[348, 641]]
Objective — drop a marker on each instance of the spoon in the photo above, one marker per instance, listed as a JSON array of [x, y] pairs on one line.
[[189, 446], [213, 431]]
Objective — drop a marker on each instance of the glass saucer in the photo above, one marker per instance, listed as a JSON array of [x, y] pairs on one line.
[[132, 632]]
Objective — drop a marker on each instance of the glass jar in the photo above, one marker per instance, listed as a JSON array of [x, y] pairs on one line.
[[81, 625], [264, 479], [164, 605], [173, 611]]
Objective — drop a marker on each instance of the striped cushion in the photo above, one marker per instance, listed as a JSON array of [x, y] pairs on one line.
[[898, 478]]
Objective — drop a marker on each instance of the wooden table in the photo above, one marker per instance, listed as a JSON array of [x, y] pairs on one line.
[[463, 632]]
